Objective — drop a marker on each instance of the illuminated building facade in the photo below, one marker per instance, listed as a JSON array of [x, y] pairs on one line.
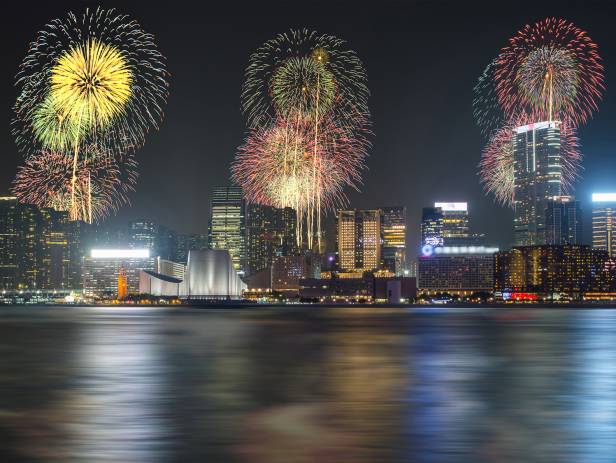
[[537, 178], [227, 224], [102, 268], [189, 242], [10, 241], [211, 274], [39, 248], [359, 240], [455, 223], [287, 271], [549, 270], [160, 240], [170, 268], [122, 285], [604, 222], [456, 270], [432, 226], [208, 275], [393, 230], [54, 249], [563, 221], [270, 232]]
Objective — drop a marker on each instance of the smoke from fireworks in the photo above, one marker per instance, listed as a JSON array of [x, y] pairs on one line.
[[102, 185], [97, 79]]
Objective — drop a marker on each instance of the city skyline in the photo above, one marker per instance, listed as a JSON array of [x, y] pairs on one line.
[[195, 166]]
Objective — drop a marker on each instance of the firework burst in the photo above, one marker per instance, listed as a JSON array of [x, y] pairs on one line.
[[307, 72], [306, 101], [102, 184], [486, 108], [97, 79], [284, 165], [552, 71]]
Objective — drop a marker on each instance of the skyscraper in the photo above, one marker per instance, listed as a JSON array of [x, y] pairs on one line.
[[393, 225], [432, 226], [537, 178], [604, 222], [270, 233], [9, 242], [227, 224], [160, 240], [39, 249], [563, 221], [54, 249], [190, 242], [359, 240], [455, 223]]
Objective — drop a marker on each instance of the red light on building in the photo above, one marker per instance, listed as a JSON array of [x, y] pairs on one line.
[[524, 296]]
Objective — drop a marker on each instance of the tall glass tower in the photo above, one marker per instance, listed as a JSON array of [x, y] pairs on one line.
[[538, 178], [456, 229], [604, 222], [227, 224], [393, 224]]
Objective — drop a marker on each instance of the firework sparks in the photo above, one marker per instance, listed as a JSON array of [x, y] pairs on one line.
[[497, 165], [300, 70], [486, 108], [551, 70], [314, 89], [276, 165], [102, 184], [97, 79]]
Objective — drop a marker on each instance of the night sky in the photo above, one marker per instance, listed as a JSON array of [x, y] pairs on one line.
[[422, 59]]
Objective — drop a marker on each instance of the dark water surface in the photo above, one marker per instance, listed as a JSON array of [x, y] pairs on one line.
[[296, 385]]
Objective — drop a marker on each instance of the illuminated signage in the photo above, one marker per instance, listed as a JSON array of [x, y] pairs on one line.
[[537, 126], [120, 253], [434, 241], [603, 197], [452, 207], [427, 250]]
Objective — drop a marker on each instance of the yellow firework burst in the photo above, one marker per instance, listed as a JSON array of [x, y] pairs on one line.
[[91, 84]]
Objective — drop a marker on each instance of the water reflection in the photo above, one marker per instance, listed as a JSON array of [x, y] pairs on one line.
[[344, 385]]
